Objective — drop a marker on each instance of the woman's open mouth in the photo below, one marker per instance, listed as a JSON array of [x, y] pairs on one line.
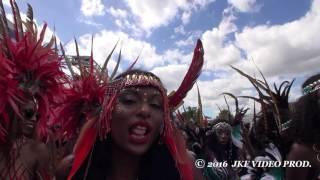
[[139, 132]]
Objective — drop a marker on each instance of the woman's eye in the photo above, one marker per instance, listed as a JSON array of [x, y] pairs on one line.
[[128, 101], [156, 105], [28, 113]]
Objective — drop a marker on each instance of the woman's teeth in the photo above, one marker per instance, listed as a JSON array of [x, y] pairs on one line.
[[139, 130]]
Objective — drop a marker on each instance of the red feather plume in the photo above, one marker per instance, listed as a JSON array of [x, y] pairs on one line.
[[9, 96], [38, 70], [83, 100], [190, 78]]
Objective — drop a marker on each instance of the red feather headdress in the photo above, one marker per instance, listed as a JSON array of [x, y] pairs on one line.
[[190, 78], [83, 97], [9, 96], [83, 100], [36, 67]]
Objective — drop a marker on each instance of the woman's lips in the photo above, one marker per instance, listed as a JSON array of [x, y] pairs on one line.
[[29, 125], [223, 141], [139, 132]]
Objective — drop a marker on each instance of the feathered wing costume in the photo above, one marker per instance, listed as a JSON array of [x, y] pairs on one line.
[[29, 70], [98, 122]]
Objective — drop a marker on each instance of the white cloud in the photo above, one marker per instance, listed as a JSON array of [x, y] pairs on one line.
[[104, 42], [218, 51], [185, 18], [92, 8], [187, 42], [245, 5], [119, 23], [6, 2], [153, 13], [118, 13], [282, 52], [290, 48], [175, 56], [89, 22], [167, 72], [227, 25], [180, 30], [125, 24]]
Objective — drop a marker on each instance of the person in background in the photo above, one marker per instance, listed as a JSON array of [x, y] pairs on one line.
[[307, 144], [31, 80]]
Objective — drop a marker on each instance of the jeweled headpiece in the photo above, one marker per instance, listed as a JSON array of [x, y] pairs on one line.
[[312, 87], [222, 126]]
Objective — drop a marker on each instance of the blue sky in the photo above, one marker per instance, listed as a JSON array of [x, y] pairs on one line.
[[281, 37]]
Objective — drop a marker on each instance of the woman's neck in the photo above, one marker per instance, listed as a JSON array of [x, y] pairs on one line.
[[124, 165]]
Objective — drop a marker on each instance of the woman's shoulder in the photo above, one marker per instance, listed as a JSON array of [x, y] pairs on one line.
[[300, 151]]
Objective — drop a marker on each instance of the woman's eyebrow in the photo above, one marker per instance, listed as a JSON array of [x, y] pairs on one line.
[[129, 90], [157, 96]]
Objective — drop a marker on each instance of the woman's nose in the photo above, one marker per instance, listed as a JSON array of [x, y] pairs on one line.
[[224, 135], [144, 110], [34, 118]]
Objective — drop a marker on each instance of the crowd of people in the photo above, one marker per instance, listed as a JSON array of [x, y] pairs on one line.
[[89, 124], [281, 132]]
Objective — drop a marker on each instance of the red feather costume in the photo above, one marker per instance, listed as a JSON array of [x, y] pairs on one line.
[[29, 70]]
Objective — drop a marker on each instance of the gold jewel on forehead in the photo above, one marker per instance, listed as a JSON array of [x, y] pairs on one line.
[[134, 79], [143, 77]]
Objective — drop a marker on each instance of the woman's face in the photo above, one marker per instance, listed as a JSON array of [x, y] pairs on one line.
[[137, 119], [223, 135], [29, 122]]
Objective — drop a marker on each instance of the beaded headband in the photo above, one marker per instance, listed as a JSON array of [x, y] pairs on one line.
[[222, 125], [312, 87], [136, 79]]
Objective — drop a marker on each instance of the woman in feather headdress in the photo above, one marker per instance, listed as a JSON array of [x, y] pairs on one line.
[[126, 130], [30, 84], [221, 149]]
